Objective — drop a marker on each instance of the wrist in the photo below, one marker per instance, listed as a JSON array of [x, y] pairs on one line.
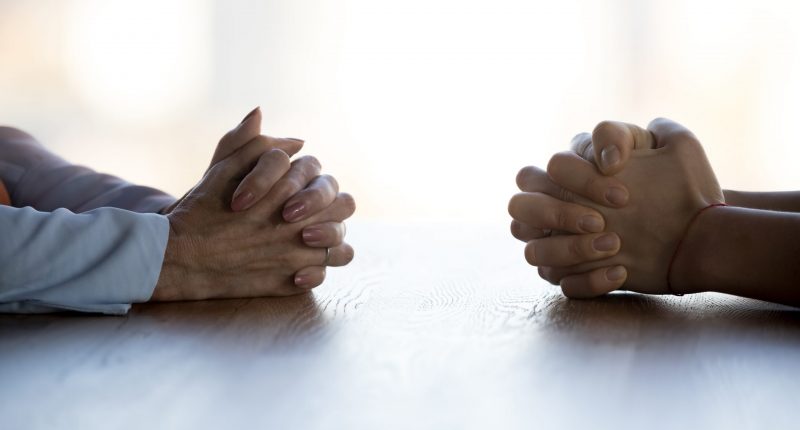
[[693, 268], [167, 285], [175, 272]]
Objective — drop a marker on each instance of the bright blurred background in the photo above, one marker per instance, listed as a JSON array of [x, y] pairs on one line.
[[423, 109]]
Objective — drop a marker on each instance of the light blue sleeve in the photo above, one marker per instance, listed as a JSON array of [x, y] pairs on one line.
[[99, 261], [79, 245]]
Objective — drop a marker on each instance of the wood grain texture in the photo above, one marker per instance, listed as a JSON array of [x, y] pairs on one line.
[[431, 327]]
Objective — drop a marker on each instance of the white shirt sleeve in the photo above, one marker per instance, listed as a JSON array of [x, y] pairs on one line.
[[80, 244]]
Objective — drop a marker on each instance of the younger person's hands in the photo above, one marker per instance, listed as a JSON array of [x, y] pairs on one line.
[[665, 180]]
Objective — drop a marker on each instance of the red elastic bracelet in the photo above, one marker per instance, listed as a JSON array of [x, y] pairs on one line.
[[680, 242]]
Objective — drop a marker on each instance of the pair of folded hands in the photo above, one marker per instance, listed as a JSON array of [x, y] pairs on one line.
[[257, 224], [612, 212]]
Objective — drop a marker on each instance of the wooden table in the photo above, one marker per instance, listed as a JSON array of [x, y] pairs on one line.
[[431, 327]]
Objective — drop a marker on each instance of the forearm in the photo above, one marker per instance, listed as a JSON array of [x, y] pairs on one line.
[[787, 201], [745, 252], [38, 178]]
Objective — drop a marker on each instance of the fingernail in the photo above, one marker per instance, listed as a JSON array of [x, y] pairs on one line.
[[617, 196], [294, 212], [616, 273], [609, 156], [312, 235], [296, 139], [242, 201], [606, 242], [590, 224], [250, 114], [302, 280]]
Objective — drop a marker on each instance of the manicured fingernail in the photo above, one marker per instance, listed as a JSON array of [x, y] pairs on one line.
[[606, 242], [301, 280], [616, 273], [617, 196], [242, 201], [609, 157], [294, 212], [252, 112], [590, 224], [296, 139], [312, 236]]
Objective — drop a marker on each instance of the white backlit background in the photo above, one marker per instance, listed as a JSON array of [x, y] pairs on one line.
[[423, 109]]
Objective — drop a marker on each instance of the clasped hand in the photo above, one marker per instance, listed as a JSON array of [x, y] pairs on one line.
[[611, 213], [257, 224]]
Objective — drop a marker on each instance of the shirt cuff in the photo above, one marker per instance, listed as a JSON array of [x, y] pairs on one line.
[[99, 261]]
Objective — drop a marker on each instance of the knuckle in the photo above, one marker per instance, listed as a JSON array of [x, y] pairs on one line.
[[284, 188], [525, 175], [285, 259], [595, 286], [298, 261], [259, 181], [562, 219], [294, 184], [277, 157], [262, 141], [580, 143], [543, 273], [591, 184], [314, 196], [576, 248], [311, 161], [348, 253], [604, 128], [547, 274], [576, 287], [686, 137], [227, 139], [226, 167], [338, 233], [515, 205], [530, 253], [330, 180], [348, 202], [567, 291], [565, 195], [216, 169], [581, 138], [556, 163], [658, 121]]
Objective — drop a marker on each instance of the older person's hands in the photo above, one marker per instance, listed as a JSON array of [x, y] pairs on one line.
[[662, 180], [257, 224]]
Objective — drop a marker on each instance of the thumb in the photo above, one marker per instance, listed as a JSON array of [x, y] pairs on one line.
[[249, 128], [614, 141], [667, 132]]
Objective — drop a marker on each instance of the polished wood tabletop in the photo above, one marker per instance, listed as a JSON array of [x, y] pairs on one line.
[[433, 326]]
